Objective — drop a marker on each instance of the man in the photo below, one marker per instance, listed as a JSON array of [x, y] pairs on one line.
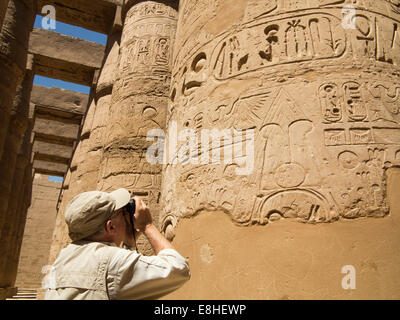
[[98, 265]]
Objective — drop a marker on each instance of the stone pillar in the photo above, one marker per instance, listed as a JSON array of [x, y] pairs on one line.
[[3, 8], [20, 221], [139, 100], [92, 146], [18, 162], [70, 189], [305, 100], [83, 174], [18, 126], [14, 38]]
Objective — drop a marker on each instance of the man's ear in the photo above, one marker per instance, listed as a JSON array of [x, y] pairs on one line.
[[110, 228]]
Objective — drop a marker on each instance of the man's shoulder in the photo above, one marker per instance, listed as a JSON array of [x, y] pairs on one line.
[[87, 252], [95, 247]]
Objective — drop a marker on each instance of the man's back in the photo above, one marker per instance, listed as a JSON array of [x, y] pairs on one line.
[[88, 270]]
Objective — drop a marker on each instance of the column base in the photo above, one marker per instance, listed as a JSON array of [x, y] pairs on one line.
[[7, 292]]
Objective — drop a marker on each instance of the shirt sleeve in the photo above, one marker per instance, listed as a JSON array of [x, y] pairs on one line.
[[134, 276]]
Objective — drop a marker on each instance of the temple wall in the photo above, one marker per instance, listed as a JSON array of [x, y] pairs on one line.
[[38, 230]]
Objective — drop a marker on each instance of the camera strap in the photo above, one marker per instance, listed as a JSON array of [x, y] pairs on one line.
[[133, 230]]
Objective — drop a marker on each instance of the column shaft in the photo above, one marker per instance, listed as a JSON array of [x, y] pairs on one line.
[[19, 138], [139, 101], [3, 8], [14, 38], [83, 174]]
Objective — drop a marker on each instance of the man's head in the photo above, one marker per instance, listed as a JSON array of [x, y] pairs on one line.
[[99, 216]]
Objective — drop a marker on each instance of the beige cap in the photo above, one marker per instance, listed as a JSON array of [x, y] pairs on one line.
[[87, 212]]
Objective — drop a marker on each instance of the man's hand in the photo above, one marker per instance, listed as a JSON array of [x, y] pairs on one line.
[[142, 217], [144, 224]]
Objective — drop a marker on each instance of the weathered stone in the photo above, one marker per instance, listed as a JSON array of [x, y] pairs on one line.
[[309, 105], [18, 230], [56, 128], [291, 260], [17, 210], [19, 123], [96, 15], [19, 198], [3, 8], [139, 100], [64, 57], [14, 38], [52, 150], [39, 228], [282, 130], [313, 104], [83, 174], [57, 99], [50, 168], [109, 69], [7, 292]]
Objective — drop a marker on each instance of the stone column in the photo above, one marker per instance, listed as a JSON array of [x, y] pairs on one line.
[[83, 174], [14, 38], [318, 95], [17, 128], [92, 146], [20, 206], [20, 223], [304, 100], [19, 136], [3, 8], [139, 100], [70, 189]]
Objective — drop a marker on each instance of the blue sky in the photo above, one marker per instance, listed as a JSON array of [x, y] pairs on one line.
[[73, 31]]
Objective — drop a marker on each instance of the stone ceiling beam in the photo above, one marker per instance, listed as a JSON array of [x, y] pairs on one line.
[[50, 168], [56, 152], [66, 58], [59, 100], [56, 128], [54, 139], [57, 115], [50, 158], [95, 15]]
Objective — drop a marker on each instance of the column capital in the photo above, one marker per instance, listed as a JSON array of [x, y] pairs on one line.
[[150, 6]]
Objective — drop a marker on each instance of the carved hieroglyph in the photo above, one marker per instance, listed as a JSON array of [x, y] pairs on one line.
[[319, 88], [139, 99]]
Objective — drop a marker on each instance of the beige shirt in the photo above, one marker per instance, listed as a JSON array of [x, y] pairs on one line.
[[98, 270]]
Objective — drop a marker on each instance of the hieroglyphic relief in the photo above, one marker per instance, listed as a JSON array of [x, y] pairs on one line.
[[369, 129], [148, 50], [311, 36], [151, 9], [139, 101], [321, 146], [368, 117], [296, 39], [257, 9], [314, 164]]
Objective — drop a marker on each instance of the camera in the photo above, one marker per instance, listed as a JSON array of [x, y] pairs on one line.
[[131, 206]]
